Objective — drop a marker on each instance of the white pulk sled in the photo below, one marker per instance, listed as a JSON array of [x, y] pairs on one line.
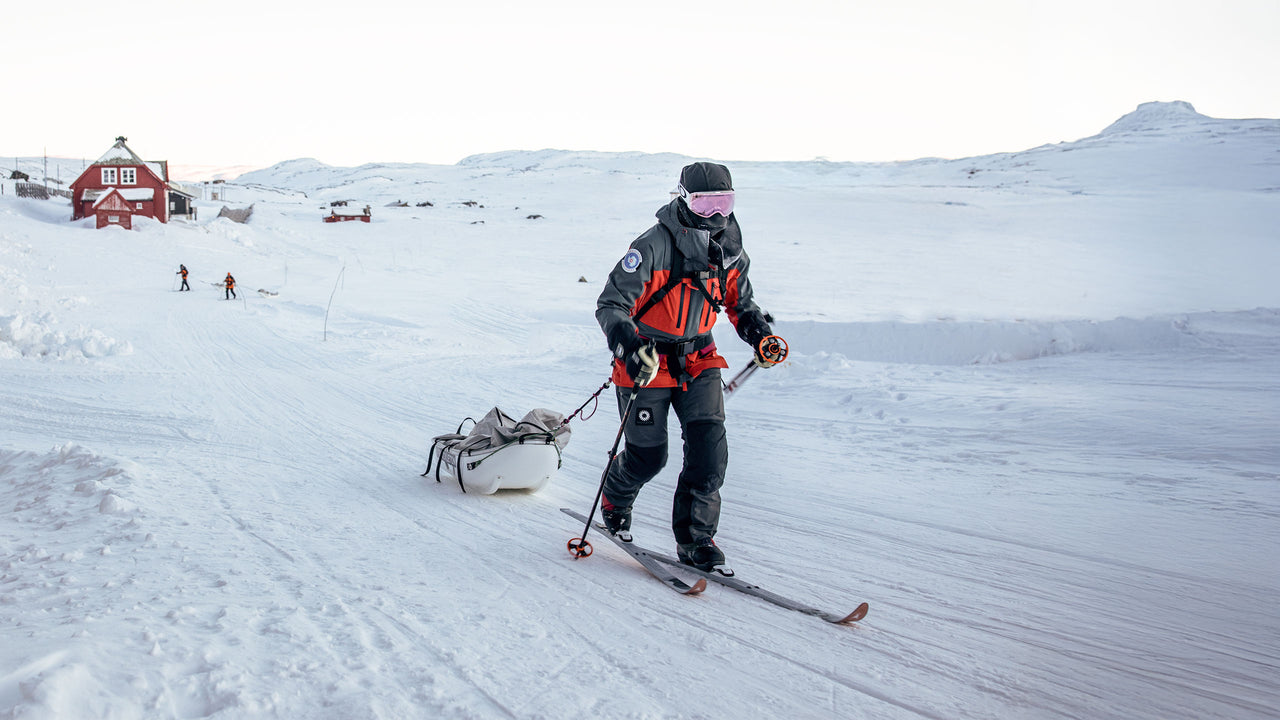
[[502, 453]]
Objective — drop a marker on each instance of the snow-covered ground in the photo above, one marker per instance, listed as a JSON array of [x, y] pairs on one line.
[[1030, 416]]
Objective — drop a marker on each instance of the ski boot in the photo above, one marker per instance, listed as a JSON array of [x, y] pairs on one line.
[[616, 520], [705, 556]]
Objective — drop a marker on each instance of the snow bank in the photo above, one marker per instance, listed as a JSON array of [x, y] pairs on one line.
[[78, 532], [64, 511], [30, 264], [38, 337], [967, 343], [66, 483], [227, 229]]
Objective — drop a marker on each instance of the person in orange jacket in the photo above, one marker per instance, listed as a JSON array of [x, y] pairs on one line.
[[182, 270], [230, 285], [657, 310]]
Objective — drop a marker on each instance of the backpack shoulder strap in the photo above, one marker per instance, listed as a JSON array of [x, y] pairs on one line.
[[677, 275], [656, 298], [672, 280]]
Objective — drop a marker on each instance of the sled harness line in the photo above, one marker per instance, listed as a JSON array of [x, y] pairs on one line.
[[586, 416]]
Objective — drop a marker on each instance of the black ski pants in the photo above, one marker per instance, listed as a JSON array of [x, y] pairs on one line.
[[695, 511]]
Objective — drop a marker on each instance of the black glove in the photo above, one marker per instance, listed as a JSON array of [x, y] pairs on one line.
[[753, 327], [642, 365], [639, 357]]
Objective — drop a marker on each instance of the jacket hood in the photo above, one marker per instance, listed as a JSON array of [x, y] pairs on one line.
[[695, 243]]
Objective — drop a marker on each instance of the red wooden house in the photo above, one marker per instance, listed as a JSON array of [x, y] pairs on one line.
[[143, 185]]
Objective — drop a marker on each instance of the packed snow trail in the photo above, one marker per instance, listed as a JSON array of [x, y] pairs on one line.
[[288, 561], [208, 509]]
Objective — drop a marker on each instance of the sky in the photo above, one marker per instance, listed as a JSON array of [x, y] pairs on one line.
[[248, 84]]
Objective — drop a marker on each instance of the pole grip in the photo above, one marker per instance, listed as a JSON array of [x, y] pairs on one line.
[[772, 348]]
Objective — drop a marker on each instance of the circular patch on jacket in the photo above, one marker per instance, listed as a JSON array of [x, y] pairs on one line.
[[631, 261]]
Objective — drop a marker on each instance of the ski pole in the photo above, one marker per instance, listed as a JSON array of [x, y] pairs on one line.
[[579, 547], [772, 348]]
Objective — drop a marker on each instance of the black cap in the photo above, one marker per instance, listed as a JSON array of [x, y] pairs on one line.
[[705, 177]]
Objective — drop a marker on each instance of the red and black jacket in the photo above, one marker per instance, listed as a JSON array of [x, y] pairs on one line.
[[667, 289]]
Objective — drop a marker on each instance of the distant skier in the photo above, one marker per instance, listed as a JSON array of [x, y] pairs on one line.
[[230, 285], [657, 310], [182, 270]]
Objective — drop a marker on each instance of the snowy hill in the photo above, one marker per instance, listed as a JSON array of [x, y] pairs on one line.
[[1029, 416]]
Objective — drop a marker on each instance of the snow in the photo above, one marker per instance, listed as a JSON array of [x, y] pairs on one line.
[[119, 153], [130, 194], [1029, 416], [1157, 116]]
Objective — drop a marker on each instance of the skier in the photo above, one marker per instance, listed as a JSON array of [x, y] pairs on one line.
[[657, 311], [182, 270], [230, 285]]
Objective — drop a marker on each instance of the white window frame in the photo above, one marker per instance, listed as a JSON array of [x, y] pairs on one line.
[[109, 176], [139, 206], [128, 176]]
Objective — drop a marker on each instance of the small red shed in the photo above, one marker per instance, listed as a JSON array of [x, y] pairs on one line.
[[112, 208], [345, 215]]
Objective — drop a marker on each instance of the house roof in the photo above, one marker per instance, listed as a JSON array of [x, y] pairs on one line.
[[112, 200], [120, 154], [130, 194]]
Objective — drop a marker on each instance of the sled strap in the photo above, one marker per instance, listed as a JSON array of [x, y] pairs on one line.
[[541, 437], [430, 457], [457, 470]]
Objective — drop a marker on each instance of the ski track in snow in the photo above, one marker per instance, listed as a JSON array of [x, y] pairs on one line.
[[1051, 516]]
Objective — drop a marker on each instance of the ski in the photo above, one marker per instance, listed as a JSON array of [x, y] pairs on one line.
[[649, 560], [757, 591]]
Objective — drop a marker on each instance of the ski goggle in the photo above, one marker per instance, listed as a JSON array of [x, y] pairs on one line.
[[706, 204]]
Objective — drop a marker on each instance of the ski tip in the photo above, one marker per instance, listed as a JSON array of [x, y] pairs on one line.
[[697, 587], [859, 613]]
